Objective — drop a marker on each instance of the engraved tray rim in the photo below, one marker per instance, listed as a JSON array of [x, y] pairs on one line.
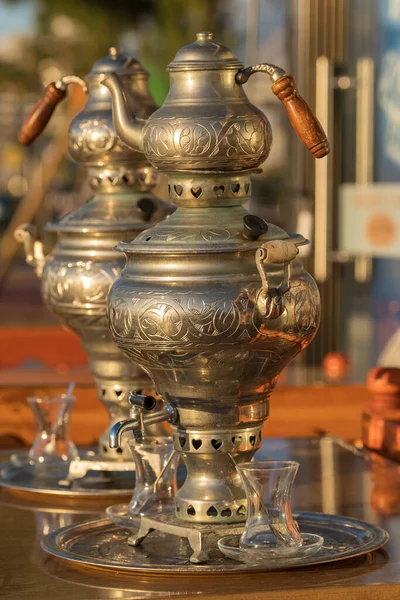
[[56, 544]]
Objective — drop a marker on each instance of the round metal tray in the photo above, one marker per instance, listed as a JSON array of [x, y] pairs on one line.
[[102, 545], [20, 480]]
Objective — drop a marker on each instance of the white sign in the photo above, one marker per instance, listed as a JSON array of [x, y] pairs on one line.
[[369, 219]]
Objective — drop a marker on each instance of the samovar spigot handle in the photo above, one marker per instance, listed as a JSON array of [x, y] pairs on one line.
[[146, 403], [139, 419], [28, 235], [41, 113], [139, 406], [270, 301], [303, 120]]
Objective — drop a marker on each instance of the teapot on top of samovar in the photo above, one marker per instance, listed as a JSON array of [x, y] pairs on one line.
[[92, 140], [76, 275], [207, 122], [212, 302]]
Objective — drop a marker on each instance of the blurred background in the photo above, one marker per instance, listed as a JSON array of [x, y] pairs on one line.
[[345, 56]]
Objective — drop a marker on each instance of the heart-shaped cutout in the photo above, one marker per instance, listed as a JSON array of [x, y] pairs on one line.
[[237, 440], [196, 191], [226, 512], [252, 440], [197, 444], [219, 189], [182, 441], [246, 188], [216, 444], [190, 510], [178, 190], [235, 187], [212, 512], [241, 511]]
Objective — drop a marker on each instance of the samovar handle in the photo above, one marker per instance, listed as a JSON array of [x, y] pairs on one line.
[[303, 120], [41, 113], [28, 235], [270, 302]]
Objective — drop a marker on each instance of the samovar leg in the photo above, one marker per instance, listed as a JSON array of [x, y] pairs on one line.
[[144, 530]]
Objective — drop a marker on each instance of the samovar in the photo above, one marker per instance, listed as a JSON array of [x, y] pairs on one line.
[[76, 275], [212, 302]]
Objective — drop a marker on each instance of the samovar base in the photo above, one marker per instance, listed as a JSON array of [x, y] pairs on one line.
[[99, 544], [80, 467], [19, 479], [202, 537]]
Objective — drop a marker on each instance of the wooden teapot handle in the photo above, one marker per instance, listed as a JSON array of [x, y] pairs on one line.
[[40, 114], [303, 120]]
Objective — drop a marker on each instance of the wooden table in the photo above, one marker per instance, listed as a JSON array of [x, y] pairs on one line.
[[333, 478], [295, 411]]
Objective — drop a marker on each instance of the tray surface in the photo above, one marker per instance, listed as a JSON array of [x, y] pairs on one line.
[[101, 544]]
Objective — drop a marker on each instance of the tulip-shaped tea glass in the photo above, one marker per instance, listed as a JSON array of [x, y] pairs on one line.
[[155, 466], [52, 449], [270, 531]]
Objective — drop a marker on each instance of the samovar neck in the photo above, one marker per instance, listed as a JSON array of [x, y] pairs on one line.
[[198, 189]]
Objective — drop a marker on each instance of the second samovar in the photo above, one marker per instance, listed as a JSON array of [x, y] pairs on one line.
[[212, 302], [78, 272]]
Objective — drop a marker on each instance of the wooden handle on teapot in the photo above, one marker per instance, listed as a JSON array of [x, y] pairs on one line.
[[40, 114], [303, 120]]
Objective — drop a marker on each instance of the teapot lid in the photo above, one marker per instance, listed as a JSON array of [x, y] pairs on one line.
[[117, 62], [204, 54]]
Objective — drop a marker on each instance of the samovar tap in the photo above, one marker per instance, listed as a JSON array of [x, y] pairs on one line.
[[138, 420]]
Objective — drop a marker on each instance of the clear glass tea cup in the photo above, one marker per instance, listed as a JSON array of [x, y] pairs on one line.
[[270, 526], [52, 449], [156, 464]]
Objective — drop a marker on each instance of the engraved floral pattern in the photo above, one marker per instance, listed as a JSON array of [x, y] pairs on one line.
[[95, 136], [77, 291], [195, 140], [236, 138], [175, 329], [175, 235]]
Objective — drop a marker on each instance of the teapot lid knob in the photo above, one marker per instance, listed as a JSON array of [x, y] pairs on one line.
[[204, 35], [204, 54], [114, 53]]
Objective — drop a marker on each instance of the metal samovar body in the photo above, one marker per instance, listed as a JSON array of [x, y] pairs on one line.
[[213, 302], [78, 272]]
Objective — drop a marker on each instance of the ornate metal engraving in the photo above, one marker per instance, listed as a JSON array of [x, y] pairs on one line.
[[81, 285], [165, 141], [96, 136]]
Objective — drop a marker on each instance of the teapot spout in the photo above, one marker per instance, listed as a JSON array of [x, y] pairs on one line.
[[128, 127]]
